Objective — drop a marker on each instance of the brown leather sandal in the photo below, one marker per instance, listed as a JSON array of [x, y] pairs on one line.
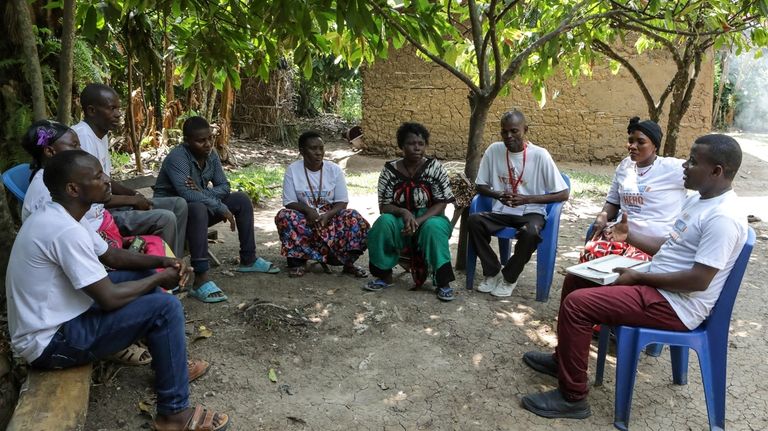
[[135, 354], [197, 368], [202, 419]]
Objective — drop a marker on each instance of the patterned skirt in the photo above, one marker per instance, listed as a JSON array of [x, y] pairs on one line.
[[602, 247], [343, 240]]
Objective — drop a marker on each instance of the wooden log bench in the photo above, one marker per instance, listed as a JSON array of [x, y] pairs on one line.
[[53, 400]]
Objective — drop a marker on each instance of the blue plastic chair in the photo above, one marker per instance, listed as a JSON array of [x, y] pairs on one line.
[[709, 340], [545, 253], [16, 180]]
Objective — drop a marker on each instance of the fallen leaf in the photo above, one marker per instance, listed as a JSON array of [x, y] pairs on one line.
[[272, 375], [241, 306], [202, 332], [145, 408]]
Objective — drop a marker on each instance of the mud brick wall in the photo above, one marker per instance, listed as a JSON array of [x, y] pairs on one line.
[[584, 123]]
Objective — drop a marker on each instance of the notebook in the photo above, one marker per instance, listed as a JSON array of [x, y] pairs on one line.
[[601, 270]]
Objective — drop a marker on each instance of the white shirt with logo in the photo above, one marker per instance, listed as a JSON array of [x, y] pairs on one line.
[[711, 232], [297, 189], [650, 196], [539, 176]]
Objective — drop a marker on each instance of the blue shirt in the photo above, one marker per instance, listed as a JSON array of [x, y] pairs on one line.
[[179, 165]]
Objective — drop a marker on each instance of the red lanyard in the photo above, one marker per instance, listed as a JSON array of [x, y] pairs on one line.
[[515, 180], [315, 199]]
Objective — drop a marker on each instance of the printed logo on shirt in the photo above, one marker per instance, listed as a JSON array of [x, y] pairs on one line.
[[322, 197], [507, 183], [678, 229], [632, 200]]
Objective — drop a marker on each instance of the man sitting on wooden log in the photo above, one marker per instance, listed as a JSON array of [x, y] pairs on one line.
[[63, 309]]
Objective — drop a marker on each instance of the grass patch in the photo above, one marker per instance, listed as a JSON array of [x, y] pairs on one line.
[[584, 184], [367, 182], [259, 183]]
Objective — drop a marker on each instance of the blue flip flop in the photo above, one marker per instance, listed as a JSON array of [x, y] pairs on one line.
[[260, 265], [204, 292], [376, 285]]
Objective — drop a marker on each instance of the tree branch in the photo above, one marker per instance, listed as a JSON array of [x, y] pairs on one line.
[[477, 39], [607, 51], [455, 72]]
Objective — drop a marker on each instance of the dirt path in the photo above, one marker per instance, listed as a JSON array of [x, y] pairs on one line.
[[402, 360]]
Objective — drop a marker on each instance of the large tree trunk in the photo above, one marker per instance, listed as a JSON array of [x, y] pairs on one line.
[[31, 59], [681, 101], [479, 106], [64, 109], [225, 122]]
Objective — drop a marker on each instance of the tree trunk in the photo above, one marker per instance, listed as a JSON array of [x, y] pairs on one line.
[[131, 123], [168, 65], [64, 109], [31, 59], [717, 105], [211, 103], [479, 106], [681, 101], [225, 122]]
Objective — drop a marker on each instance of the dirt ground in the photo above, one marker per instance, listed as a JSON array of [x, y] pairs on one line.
[[343, 358]]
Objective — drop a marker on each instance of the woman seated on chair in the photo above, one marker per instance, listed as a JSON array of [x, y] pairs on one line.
[[316, 223], [646, 187], [413, 194]]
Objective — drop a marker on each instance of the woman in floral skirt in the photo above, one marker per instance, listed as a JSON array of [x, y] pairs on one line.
[[316, 223]]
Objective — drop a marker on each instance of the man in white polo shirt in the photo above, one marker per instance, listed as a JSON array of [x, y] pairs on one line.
[[133, 213]]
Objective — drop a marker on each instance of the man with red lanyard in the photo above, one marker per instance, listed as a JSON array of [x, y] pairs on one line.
[[523, 179]]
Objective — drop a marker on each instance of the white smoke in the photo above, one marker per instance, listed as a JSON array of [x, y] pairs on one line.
[[748, 79]]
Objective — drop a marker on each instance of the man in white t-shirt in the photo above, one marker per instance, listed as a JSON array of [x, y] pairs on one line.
[[523, 179], [687, 274], [63, 309], [133, 213]]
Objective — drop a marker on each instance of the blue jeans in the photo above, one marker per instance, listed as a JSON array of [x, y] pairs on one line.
[[97, 334]]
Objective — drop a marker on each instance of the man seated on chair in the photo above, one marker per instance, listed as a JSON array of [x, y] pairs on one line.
[[687, 273], [133, 213], [193, 171], [523, 179], [63, 309]]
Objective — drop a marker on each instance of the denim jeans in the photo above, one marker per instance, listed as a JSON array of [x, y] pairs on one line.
[[97, 334]]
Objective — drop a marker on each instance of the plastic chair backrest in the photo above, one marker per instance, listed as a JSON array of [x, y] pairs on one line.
[[16, 180], [720, 316]]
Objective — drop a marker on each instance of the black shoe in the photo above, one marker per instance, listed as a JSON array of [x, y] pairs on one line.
[[541, 362], [551, 404]]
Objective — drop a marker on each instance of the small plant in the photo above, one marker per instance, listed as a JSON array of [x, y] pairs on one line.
[[259, 183], [589, 185], [120, 160]]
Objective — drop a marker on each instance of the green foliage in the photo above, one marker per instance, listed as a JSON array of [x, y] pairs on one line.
[[120, 160], [584, 184], [351, 108], [85, 67], [259, 183]]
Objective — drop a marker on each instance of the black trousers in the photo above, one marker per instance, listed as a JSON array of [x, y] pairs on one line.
[[482, 225]]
